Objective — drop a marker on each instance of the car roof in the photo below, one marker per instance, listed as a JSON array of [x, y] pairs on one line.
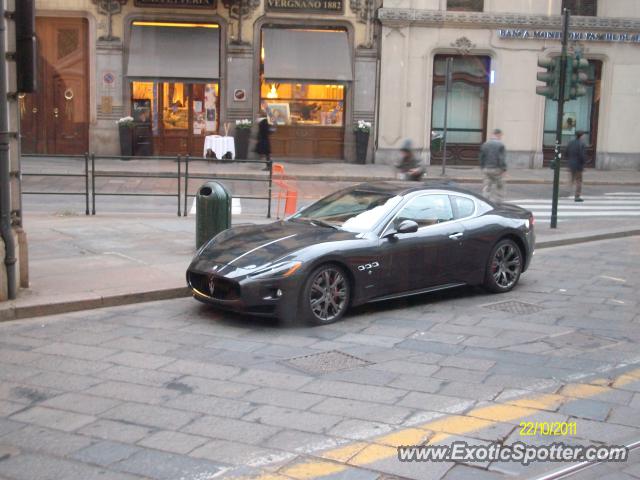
[[404, 188]]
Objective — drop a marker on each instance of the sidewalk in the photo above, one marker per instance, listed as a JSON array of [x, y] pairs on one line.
[[79, 262], [333, 171]]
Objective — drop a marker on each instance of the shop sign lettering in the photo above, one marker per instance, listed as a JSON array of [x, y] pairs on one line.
[[523, 34], [176, 3], [307, 6]]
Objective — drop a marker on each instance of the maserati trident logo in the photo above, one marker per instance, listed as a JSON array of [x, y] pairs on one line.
[[212, 285]]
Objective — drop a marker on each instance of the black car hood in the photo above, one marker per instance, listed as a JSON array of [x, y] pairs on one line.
[[252, 246]]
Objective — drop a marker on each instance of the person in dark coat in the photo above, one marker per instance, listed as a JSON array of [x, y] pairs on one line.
[[576, 158], [263, 146]]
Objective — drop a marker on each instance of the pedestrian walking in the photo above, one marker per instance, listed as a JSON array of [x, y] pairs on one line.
[[411, 167], [493, 164], [576, 157], [263, 145]]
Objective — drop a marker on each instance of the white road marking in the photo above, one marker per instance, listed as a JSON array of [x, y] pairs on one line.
[[236, 207], [614, 204]]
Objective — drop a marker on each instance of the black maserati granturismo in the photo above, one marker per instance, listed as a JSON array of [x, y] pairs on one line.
[[367, 243]]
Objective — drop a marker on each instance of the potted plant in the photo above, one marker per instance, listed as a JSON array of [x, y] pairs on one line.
[[362, 130], [241, 137], [125, 129]]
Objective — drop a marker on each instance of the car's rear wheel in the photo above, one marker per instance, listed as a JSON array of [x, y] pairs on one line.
[[504, 266], [326, 295]]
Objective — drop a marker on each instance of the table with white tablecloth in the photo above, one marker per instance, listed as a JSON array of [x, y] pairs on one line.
[[219, 145]]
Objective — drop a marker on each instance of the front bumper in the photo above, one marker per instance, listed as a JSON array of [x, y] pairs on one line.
[[247, 295]]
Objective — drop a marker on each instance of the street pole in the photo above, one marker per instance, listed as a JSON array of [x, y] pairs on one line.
[[447, 87], [557, 154]]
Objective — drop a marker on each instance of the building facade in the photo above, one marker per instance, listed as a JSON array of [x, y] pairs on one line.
[[495, 46], [185, 69]]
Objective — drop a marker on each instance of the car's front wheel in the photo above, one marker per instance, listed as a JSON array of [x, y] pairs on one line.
[[326, 295], [504, 266]]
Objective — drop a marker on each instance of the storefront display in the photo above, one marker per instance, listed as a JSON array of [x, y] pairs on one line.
[[178, 114], [304, 75], [303, 104], [181, 116]]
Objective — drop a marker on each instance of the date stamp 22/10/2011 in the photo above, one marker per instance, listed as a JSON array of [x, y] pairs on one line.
[[551, 429]]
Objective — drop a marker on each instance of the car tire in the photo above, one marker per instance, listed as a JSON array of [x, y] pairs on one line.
[[504, 266], [325, 295]]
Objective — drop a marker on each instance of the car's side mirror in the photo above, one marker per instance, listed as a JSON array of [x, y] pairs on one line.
[[406, 226]]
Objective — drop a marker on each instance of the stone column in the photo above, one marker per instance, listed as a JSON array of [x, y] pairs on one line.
[[110, 94], [239, 96], [364, 102]]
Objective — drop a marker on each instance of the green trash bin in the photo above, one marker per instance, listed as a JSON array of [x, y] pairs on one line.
[[213, 211]]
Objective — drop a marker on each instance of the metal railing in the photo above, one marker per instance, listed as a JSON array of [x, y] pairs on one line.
[[120, 174], [93, 173], [269, 180], [84, 175]]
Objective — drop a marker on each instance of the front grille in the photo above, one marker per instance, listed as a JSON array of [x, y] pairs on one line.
[[223, 289]]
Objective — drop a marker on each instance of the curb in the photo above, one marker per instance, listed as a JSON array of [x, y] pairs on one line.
[[40, 310], [589, 238], [32, 311]]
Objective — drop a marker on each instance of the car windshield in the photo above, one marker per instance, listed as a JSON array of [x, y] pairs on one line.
[[353, 210]]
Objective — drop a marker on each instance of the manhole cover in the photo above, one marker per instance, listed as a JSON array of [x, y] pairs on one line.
[[514, 306], [579, 340], [325, 362]]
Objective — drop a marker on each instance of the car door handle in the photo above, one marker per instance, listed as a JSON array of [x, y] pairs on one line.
[[456, 236]]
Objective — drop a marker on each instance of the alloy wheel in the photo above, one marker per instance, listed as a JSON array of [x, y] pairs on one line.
[[506, 266], [328, 295]]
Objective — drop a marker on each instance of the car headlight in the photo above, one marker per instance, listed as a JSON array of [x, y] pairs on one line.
[[282, 269]]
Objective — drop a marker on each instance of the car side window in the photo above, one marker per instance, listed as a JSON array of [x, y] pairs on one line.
[[462, 206], [426, 210]]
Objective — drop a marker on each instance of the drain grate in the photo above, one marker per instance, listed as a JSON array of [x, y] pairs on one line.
[[580, 340], [325, 362], [514, 306]]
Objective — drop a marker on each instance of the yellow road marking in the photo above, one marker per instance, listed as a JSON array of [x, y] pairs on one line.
[[502, 412], [578, 390], [313, 469], [344, 454], [408, 436], [372, 454], [363, 454], [543, 402]]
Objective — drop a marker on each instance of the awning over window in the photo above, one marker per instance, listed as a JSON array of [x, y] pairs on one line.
[[306, 55], [174, 52]]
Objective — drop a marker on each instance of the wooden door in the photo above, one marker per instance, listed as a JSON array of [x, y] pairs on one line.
[[183, 112], [55, 120]]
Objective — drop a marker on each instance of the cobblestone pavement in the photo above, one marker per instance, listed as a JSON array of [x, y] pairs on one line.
[[174, 390]]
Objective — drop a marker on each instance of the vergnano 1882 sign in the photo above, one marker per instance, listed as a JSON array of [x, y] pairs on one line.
[[307, 6], [176, 3]]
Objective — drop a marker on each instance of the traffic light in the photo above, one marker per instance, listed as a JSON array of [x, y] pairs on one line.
[[577, 68], [551, 78], [26, 51]]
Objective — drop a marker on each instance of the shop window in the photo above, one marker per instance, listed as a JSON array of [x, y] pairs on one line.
[[579, 114], [587, 8], [303, 103], [176, 106], [468, 98], [465, 5]]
